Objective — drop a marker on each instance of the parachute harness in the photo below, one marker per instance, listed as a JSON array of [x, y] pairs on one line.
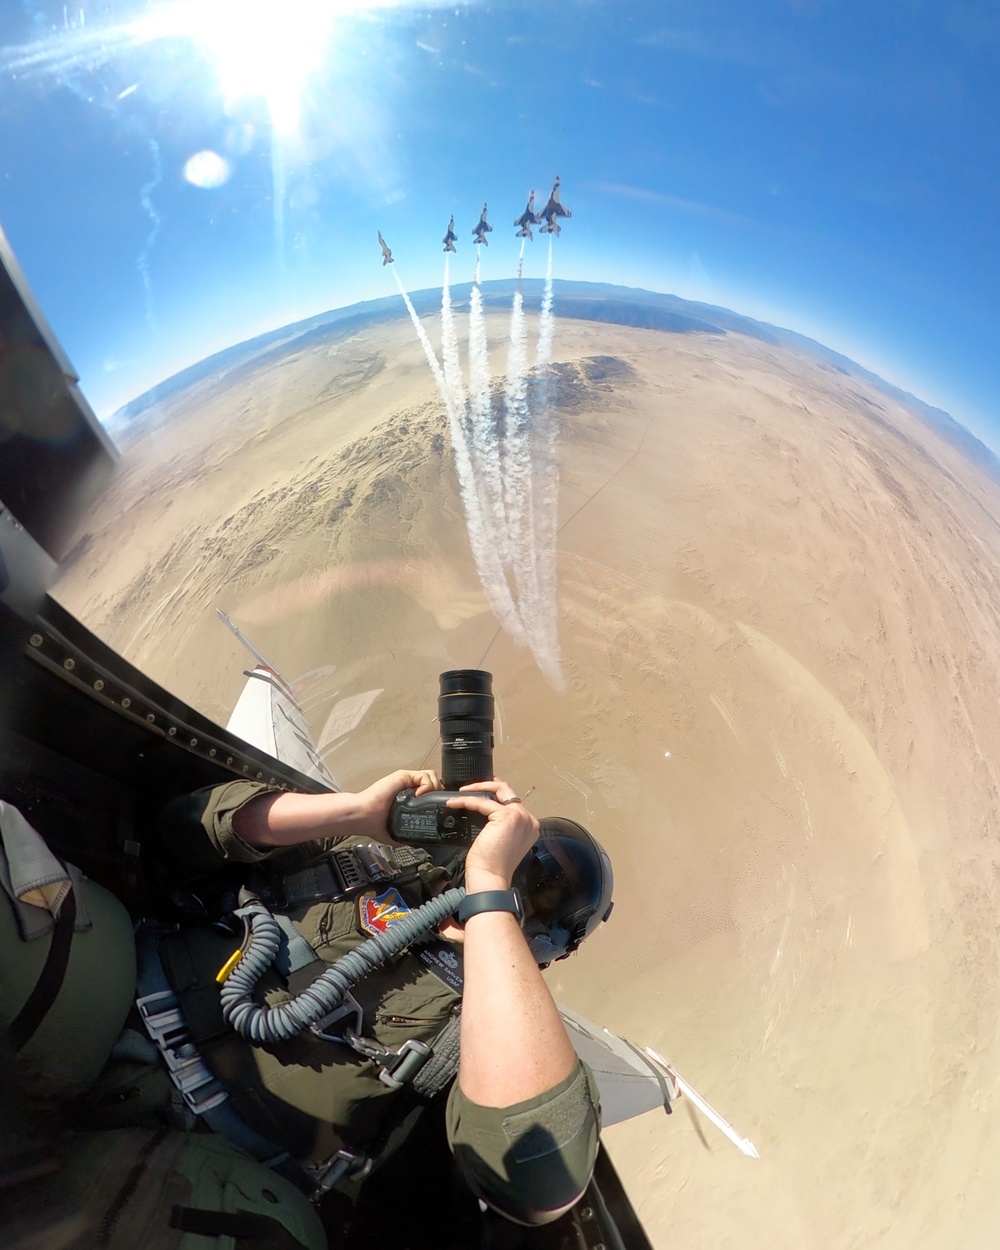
[[262, 1025]]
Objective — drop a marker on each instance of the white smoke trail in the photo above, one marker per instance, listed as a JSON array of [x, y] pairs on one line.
[[545, 525], [545, 323], [425, 343], [545, 500], [484, 438], [517, 474], [449, 347], [484, 553]]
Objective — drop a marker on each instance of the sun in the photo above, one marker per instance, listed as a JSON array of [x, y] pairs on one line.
[[259, 48]]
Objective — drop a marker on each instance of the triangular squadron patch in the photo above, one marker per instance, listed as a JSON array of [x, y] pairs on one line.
[[377, 913]]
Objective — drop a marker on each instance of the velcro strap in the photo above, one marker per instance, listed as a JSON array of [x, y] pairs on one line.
[[442, 1063], [310, 885]]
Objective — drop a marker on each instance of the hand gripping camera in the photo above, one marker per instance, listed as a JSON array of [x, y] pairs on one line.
[[465, 719]]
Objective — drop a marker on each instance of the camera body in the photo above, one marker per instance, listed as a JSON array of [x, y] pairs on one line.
[[465, 720], [427, 820]]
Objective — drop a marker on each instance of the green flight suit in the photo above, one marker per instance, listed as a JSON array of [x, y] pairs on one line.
[[312, 1096]]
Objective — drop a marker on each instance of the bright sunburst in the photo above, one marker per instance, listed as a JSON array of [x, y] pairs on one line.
[[259, 48], [264, 49]]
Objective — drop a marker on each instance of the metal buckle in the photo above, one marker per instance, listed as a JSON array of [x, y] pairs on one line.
[[189, 1073], [164, 1023], [404, 1065], [206, 1095], [348, 1016], [346, 863], [344, 1165]]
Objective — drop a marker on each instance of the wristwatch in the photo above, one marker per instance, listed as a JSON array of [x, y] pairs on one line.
[[491, 900]]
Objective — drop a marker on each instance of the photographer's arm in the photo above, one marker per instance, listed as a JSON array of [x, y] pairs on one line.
[[523, 1118], [288, 818], [514, 1044]]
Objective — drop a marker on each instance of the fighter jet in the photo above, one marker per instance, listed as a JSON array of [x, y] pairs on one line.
[[386, 254], [483, 229], [527, 219], [551, 211], [450, 237], [70, 746]]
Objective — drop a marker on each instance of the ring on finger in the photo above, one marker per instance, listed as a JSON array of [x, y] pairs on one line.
[[514, 799]]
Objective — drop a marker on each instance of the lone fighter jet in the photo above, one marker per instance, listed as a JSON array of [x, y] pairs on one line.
[[450, 237], [527, 219], [386, 254], [483, 229], [551, 211]]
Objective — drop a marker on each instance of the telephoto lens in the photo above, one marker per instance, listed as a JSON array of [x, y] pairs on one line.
[[465, 719]]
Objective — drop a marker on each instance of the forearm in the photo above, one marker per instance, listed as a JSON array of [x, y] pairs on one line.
[[289, 818], [514, 1044]]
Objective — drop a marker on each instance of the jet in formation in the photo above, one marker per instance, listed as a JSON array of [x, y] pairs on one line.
[[126, 716], [482, 229], [386, 254], [451, 236], [527, 219], [551, 211]]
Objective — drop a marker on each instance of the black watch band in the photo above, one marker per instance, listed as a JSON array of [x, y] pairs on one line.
[[491, 900]]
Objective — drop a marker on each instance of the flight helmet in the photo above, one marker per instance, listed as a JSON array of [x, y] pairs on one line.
[[565, 882]]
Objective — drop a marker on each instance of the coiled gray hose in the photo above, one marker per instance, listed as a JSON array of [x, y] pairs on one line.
[[262, 1025]]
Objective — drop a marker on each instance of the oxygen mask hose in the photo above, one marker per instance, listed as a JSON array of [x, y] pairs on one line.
[[262, 1025]]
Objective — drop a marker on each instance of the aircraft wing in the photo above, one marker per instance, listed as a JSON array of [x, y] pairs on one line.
[[268, 716], [630, 1082]]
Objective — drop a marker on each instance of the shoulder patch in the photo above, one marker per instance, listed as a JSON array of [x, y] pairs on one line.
[[379, 912]]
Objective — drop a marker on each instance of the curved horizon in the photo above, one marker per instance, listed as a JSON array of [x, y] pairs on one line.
[[428, 299]]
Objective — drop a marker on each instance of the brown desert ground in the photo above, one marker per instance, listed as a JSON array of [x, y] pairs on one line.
[[779, 618]]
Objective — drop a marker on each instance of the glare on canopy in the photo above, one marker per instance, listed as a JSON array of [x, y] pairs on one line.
[[266, 48], [258, 48]]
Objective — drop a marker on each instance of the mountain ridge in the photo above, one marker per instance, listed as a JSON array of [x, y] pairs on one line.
[[589, 301]]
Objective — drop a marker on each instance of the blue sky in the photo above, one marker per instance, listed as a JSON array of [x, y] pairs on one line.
[[829, 165]]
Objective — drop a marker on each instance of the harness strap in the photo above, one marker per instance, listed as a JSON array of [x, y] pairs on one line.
[[202, 1092], [342, 874], [49, 983], [295, 954], [249, 1229]]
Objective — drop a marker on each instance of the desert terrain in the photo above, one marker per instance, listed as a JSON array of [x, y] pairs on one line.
[[778, 612]]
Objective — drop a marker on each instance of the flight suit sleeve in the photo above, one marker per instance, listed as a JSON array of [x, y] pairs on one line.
[[197, 829], [533, 1160]]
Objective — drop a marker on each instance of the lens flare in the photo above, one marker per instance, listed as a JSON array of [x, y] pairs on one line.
[[207, 170]]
